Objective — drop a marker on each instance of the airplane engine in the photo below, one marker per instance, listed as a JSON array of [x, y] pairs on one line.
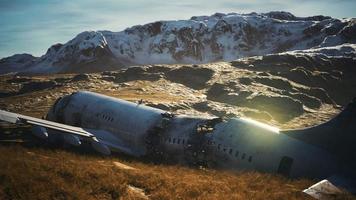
[[72, 140], [39, 132], [100, 147]]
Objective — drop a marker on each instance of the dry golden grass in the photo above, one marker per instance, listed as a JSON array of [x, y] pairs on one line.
[[41, 173], [36, 170]]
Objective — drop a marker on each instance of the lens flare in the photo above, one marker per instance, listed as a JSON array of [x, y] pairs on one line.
[[261, 125]]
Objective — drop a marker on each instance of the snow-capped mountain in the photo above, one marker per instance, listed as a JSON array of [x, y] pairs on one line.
[[200, 39]]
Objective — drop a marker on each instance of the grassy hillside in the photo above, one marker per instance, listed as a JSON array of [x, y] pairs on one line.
[[47, 173], [32, 169]]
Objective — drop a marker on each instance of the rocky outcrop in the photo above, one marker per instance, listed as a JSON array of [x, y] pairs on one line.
[[277, 106], [194, 77]]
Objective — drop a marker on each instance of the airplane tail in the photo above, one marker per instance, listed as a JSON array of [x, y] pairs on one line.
[[337, 135]]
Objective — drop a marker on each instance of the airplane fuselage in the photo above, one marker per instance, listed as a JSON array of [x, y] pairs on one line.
[[233, 144]]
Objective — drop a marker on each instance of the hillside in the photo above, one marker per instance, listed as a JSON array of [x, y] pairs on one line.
[[41, 172]]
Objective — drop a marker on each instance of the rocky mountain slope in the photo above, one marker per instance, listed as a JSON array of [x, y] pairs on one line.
[[201, 39]]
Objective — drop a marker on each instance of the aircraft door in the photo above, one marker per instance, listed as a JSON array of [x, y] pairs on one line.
[[285, 165]]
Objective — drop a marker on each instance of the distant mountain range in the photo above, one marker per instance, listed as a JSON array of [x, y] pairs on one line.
[[201, 39]]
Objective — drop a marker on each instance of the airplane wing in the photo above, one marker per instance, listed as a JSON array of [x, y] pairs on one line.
[[330, 187], [101, 141], [23, 119]]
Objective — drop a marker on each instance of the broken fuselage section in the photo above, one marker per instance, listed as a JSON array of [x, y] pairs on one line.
[[234, 144]]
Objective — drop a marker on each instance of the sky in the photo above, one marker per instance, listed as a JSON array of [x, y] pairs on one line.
[[32, 26]]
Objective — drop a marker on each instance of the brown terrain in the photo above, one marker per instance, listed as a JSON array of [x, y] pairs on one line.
[[286, 91]]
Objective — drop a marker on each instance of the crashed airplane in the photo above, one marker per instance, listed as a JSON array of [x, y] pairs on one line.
[[115, 125]]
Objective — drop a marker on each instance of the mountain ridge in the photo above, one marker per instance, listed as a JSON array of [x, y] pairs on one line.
[[201, 39]]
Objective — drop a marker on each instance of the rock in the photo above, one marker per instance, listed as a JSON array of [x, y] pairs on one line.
[[137, 73], [157, 69], [225, 94], [159, 106], [321, 94], [281, 15], [36, 86], [125, 85], [263, 74], [193, 77], [334, 28], [313, 30], [282, 108], [202, 106], [110, 73], [309, 101], [220, 113], [81, 77], [246, 80], [62, 80], [349, 31], [18, 79], [279, 83], [298, 75], [216, 90], [182, 106], [108, 78]]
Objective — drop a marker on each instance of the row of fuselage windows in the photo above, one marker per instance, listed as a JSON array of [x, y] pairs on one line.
[[105, 117], [226, 150], [236, 153], [175, 140]]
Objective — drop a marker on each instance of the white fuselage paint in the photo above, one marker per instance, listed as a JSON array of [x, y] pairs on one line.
[[235, 144]]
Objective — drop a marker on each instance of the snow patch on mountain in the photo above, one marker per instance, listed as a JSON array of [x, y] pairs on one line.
[[344, 50]]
